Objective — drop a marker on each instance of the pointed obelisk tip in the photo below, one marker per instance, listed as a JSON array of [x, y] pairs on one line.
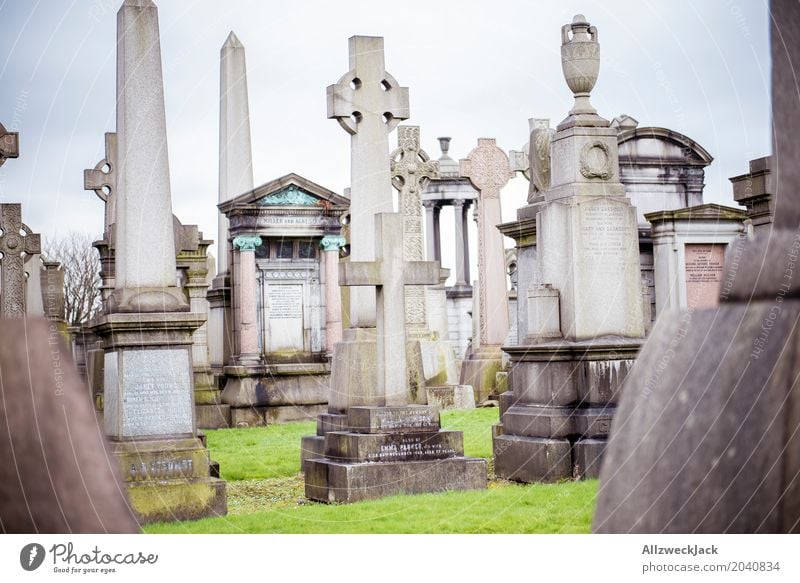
[[139, 3], [232, 41]]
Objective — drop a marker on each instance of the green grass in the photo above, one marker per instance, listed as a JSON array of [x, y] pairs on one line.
[[503, 508], [265, 492], [274, 451]]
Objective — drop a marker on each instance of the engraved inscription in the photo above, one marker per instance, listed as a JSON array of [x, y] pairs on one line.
[[604, 232], [411, 447], [161, 470], [704, 266], [285, 302], [156, 392]]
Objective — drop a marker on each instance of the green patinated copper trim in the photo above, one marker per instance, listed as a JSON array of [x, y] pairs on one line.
[[247, 242], [333, 242], [289, 196]]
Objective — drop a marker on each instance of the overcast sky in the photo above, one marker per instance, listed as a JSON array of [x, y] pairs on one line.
[[474, 68]]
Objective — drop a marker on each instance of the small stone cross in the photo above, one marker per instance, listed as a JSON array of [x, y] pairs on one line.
[[487, 168], [411, 169], [102, 179], [389, 273], [9, 144], [17, 245]]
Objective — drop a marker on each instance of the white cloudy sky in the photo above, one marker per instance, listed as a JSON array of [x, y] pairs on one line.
[[475, 68]]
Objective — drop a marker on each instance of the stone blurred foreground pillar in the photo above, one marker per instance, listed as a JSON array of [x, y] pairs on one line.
[[707, 438], [147, 329], [55, 475]]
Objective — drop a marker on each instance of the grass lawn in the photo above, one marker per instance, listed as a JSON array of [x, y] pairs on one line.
[[265, 492]]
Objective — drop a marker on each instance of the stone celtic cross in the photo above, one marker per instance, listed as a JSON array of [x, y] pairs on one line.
[[102, 179], [367, 90], [488, 170], [9, 144], [368, 103], [411, 169], [389, 273], [17, 245]]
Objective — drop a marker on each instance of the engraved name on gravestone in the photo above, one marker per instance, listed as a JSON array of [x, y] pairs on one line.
[[604, 230], [157, 397], [704, 265]]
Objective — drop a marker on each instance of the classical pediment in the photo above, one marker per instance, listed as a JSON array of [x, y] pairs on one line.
[[291, 190]]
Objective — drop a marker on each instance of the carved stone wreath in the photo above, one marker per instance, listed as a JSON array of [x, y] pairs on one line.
[[594, 170]]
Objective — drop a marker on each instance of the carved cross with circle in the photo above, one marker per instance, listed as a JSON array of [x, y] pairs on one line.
[[17, 245], [487, 168], [367, 89]]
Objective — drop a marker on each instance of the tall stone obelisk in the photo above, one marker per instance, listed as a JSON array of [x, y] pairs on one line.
[[147, 329], [584, 309], [235, 177]]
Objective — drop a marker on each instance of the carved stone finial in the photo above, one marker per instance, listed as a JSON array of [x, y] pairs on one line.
[[580, 61]]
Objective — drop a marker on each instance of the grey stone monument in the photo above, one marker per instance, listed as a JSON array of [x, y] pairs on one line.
[[17, 246], [707, 438], [583, 293], [387, 446], [147, 326]]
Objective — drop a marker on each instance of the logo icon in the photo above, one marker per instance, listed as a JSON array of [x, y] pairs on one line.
[[31, 556]]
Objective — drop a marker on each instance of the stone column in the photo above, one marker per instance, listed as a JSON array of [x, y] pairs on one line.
[[458, 214], [147, 328], [333, 295], [430, 234], [246, 305], [465, 232], [235, 151], [437, 236], [235, 177], [488, 170]]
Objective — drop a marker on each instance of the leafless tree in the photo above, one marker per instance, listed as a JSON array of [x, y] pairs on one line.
[[81, 265]]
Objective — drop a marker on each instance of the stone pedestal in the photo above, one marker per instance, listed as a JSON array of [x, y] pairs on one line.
[[582, 322], [383, 451], [149, 416], [556, 421]]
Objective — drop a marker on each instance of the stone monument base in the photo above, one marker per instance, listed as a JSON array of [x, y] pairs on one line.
[[480, 368], [384, 451], [447, 397], [210, 411], [169, 479], [556, 418], [149, 415], [276, 393]]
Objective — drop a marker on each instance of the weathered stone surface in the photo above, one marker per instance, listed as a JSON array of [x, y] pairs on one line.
[[543, 421], [329, 481], [293, 413], [158, 501], [698, 443], [447, 397], [393, 419], [563, 373], [331, 422], [532, 459], [60, 478], [311, 447], [393, 447], [213, 416]]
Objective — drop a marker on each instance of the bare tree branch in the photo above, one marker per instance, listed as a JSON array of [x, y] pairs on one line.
[[81, 265]]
